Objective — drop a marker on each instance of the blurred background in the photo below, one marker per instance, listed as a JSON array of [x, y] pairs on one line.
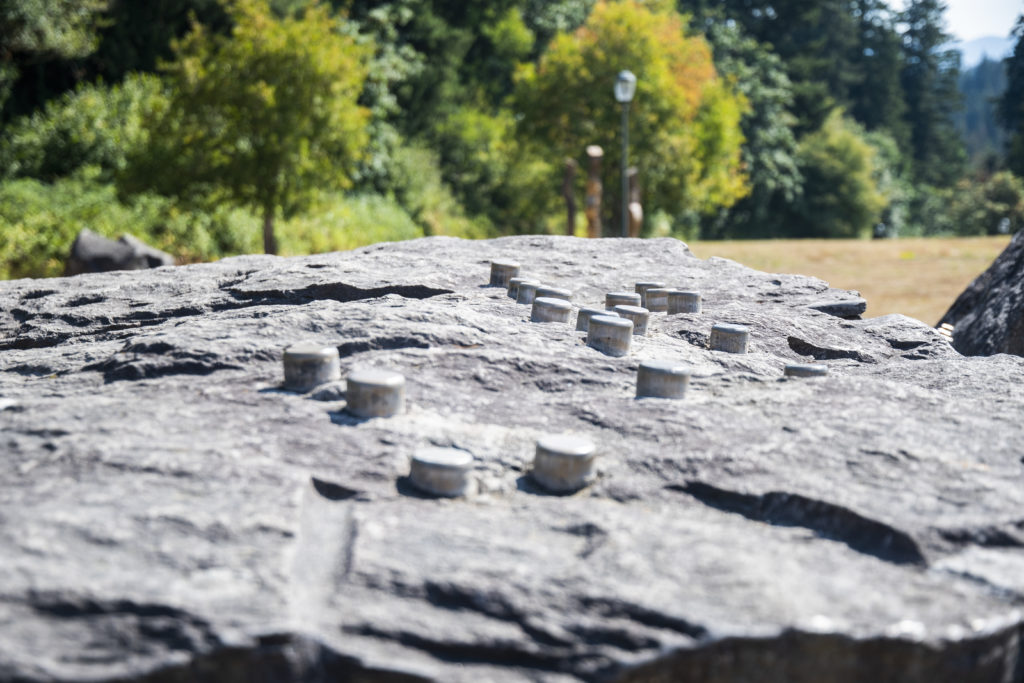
[[877, 145]]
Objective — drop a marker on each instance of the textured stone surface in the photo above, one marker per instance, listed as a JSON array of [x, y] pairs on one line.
[[92, 253], [988, 317], [170, 514]]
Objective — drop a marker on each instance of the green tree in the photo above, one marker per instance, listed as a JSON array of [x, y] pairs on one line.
[[263, 117], [1011, 105], [978, 123], [841, 196], [685, 119], [929, 79], [876, 94], [35, 31]]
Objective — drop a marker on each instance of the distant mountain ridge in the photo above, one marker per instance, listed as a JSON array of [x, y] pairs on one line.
[[973, 52]]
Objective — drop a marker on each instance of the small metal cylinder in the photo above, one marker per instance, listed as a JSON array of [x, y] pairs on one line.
[[638, 314], [442, 471], [641, 289], [805, 370], [656, 299], [662, 379], [548, 310], [513, 285], [613, 299], [555, 293], [563, 463], [308, 365], [502, 272], [527, 292], [585, 314], [729, 338], [683, 302], [610, 335], [375, 393]]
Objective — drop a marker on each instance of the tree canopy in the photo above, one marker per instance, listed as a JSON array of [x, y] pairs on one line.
[[264, 116]]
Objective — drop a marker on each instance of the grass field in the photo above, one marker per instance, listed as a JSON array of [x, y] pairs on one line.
[[919, 277]]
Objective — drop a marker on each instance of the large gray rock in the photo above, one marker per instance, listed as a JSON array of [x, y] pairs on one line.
[[170, 514], [93, 253], [988, 316]]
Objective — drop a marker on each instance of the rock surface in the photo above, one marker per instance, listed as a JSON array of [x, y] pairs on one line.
[[170, 514], [92, 253], [988, 317]]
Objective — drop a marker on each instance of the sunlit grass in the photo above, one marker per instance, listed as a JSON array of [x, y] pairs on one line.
[[919, 277]]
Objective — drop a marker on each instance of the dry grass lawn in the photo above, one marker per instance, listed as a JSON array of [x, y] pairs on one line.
[[919, 277]]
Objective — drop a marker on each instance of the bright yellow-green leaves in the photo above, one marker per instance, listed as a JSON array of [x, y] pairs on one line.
[[266, 116], [684, 119]]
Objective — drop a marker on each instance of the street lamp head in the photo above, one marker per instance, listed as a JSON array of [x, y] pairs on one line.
[[625, 86]]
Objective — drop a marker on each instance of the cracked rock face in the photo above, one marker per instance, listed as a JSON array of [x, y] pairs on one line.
[[988, 316], [169, 513]]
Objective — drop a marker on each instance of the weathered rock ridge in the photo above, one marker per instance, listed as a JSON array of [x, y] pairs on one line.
[[170, 514], [988, 316]]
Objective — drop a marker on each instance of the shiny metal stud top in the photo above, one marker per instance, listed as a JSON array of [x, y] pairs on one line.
[[610, 335], [613, 299], [805, 370], [442, 471], [641, 289], [502, 272], [638, 314], [513, 285], [656, 299], [585, 314], [375, 393], [527, 292], [548, 310], [308, 365], [662, 379], [680, 301], [563, 463], [729, 338], [555, 293]]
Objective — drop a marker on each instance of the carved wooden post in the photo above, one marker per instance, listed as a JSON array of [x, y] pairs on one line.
[[592, 205], [636, 211], [570, 196]]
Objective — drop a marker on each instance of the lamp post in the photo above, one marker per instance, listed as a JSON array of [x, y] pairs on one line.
[[625, 86]]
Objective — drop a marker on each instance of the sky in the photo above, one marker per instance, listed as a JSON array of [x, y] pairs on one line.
[[970, 19]]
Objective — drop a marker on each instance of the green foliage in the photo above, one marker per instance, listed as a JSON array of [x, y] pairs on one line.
[[263, 117], [93, 126], [841, 196], [1011, 105], [991, 207], [39, 221], [769, 149], [336, 222], [977, 123], [684, 119]]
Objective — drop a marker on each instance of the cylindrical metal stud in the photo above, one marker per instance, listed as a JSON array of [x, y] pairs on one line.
[[527, 292], [375, 393], [513, 285], [613, 299], [585, 314], [641, 289], [805, 370], [656, 299], [683, 302], [548, 310], [729, 338], [662, 379], [442, 471], [308, 365], [610, 335], [638, 314], [502, 272], [555, 293], [563, 463]]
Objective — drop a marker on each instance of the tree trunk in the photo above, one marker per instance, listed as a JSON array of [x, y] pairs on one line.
[[592, 205], [570, 196], [269, 241]]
